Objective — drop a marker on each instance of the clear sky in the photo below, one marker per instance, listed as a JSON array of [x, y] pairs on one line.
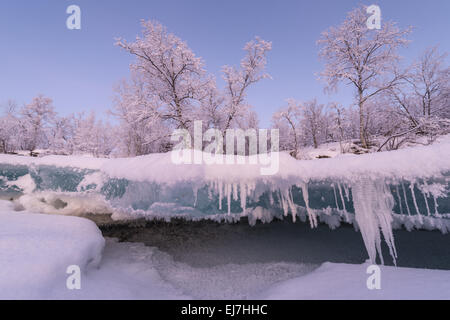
[[78, 68]]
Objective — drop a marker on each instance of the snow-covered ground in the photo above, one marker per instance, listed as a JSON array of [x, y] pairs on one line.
[[344, 281], [36, 250], [414, 162]]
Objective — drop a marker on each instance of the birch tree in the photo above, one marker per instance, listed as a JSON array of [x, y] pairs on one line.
[[36, 119], [170, 70], [237, 81], [430, 81], [365, 59]]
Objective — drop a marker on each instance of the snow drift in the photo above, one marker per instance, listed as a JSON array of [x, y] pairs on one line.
[[36, 251]]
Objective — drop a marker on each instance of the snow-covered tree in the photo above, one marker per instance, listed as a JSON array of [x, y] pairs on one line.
[[339, 124], [9, 129], [36, 119], [420, 104], [141, 129], [313, 122], [364, 58], [287, 120], [169, 90], [92, 137], [237, 81], [430, 79], [170, 72], [61, 134], [303, 124], [211, 108]]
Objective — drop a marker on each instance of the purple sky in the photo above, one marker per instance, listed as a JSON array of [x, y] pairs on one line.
[[79, 68]]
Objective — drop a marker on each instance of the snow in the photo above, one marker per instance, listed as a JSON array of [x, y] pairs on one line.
[[64, 203], [127, 272], [373, 201], [330, 150], [423, 161], [344, 281], [408, 163], [25, 183], [36, 251]]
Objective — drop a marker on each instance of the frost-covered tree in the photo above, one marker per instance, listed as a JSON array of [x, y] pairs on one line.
[[9, 129], [61, 134], [303, 124], [237, 81], [314, 122], [363, 58], [430, 79], [92, 137], [141, 129], [170, 72], [211, 108], [339, 124], [287, 120], [169, 90], [36, 119], [420, 104]]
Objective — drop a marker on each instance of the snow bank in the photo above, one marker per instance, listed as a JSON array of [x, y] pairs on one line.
[[411, 163], [417, 162], [36, 251], [343, 281]]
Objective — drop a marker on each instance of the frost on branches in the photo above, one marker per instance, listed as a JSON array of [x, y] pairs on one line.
[[364, 58]]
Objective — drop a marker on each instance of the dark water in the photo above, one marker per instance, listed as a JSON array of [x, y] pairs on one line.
[[208, 244]]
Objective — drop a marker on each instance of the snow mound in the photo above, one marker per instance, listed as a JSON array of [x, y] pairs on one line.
[[417, 162], [36, 251]]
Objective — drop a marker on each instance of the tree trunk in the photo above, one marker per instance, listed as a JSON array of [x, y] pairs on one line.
[[361, 122]]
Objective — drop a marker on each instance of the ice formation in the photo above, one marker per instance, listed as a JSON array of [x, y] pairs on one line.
[[373, 204], [375, 192]]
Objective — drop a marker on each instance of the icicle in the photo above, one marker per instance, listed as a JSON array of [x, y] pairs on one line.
[[243, 195], [219, 185], [436, 212], [229, 187], [399, 199], [347, 193], [271, 201], [425, 196], [415, 201], [311, 214], [291, 204], [284, 204], [373, 204], [250, 188], [195, 190], [342, 197], [210, 188], [406, 200], [335, 198], [426, 203], [235, 192]]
